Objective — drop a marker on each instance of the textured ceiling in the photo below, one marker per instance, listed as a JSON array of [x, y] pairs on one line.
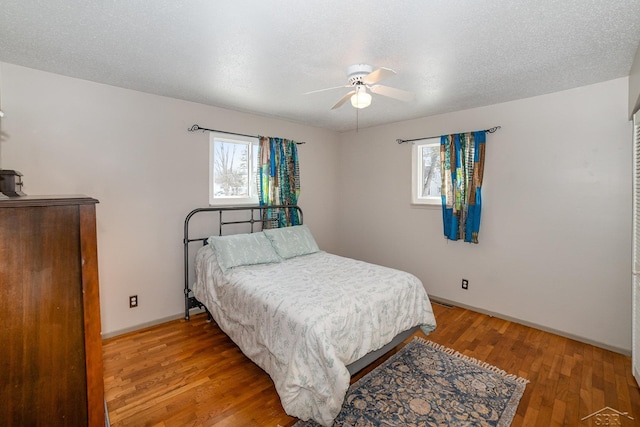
[[262, 56]]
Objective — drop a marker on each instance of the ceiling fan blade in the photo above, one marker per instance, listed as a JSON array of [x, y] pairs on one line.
[[392, 92], [378, 75], [329, 88], [343, 100]]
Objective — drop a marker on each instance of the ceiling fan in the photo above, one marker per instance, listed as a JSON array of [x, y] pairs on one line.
[[362, 79]]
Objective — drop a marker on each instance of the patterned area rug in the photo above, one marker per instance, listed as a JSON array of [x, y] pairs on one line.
[[426, 384]]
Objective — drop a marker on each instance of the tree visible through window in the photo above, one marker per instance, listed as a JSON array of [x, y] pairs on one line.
[[233, 163], [426, 177], [231, 171]]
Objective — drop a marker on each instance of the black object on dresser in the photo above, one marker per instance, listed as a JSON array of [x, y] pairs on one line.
[[10, 183]]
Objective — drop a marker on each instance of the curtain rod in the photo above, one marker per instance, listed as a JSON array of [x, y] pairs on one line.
[[402, 141], [195, 128]]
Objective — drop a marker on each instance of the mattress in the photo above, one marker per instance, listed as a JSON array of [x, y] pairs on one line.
[[304, 319]]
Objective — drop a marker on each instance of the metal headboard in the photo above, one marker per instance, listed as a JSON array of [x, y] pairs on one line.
[[228, 216]]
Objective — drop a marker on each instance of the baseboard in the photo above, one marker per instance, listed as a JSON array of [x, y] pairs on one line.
[[446, 302], [148, 324]]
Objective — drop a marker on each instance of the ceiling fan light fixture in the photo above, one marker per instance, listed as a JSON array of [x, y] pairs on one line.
[[361, 99], [363, 81]]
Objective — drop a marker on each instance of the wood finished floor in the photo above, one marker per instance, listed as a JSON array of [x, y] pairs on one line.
[[191, 374]]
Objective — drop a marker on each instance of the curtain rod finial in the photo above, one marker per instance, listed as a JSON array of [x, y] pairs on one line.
[[399, 141]]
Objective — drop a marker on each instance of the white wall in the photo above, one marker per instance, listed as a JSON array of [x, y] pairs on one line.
[[555, 233], [555, 237], [132, 152]]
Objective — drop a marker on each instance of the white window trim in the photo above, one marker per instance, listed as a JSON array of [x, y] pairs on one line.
[[253, 198], [416, 174]]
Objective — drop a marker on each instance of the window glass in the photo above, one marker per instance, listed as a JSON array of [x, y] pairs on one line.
[[232, 170], [426, 177]]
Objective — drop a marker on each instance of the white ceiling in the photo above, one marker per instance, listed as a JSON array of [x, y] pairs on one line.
[[261, 56]]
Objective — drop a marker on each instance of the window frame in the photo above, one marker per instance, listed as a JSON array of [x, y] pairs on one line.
[[416, 173], [252, 168]]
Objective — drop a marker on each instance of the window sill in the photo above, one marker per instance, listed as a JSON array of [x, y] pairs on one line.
[[232, 204], [425, 206]]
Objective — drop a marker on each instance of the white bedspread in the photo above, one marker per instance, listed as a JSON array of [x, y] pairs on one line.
[[304, 319]]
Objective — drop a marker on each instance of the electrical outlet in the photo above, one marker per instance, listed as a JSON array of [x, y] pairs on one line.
[[465, 284], [133, 301]]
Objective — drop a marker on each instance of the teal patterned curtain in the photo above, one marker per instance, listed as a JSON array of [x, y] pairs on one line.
[[462, 166], [278, 180]]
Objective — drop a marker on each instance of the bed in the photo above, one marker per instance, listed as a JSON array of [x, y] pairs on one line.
[[309, 318]]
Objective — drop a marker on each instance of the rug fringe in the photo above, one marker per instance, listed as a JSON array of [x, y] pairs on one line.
[[473, 360]]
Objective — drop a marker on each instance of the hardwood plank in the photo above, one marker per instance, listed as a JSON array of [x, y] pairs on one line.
[[191, 374]]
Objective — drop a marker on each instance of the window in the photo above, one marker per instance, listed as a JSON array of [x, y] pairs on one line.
[[233, 162], [426, 179]]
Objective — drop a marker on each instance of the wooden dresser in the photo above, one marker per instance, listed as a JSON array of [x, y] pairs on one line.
[[50, 338]]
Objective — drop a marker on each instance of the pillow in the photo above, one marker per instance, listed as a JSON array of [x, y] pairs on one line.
[[293, 241], [243, 249]]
